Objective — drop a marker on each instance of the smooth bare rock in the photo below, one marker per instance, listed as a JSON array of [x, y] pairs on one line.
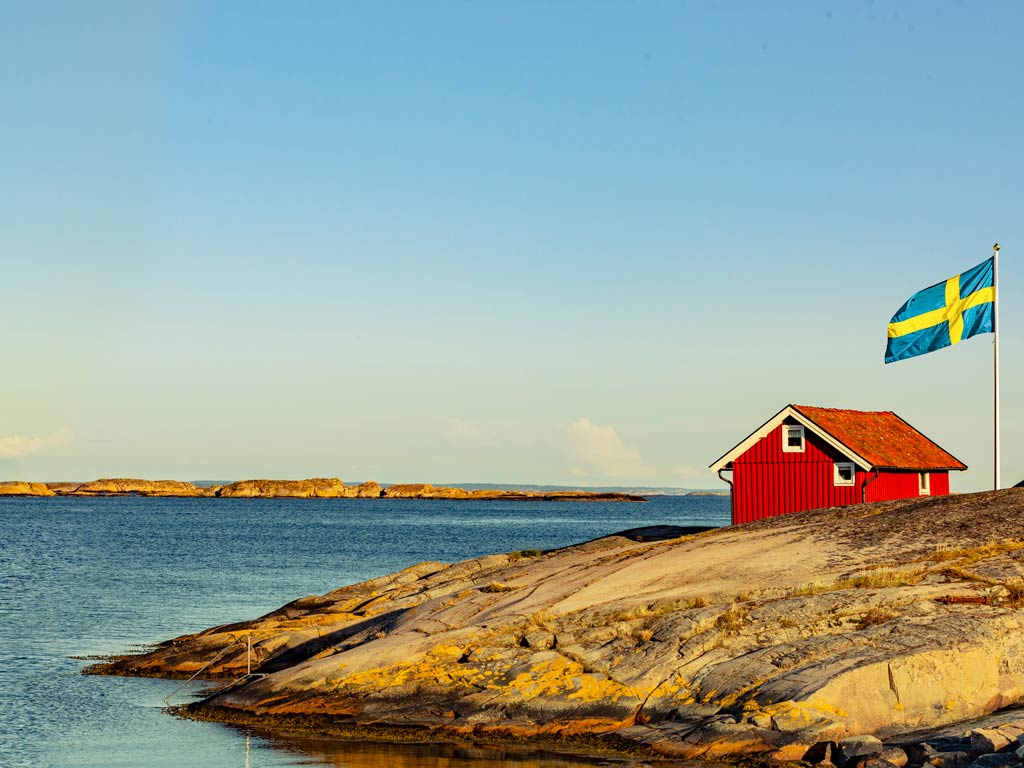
[[20, 488], [953, 759], [985, 741], [428, 491], [824, 625], [317, 487], [367, 490], [62, 487], [136, 487], [321, 487], [407, 491]]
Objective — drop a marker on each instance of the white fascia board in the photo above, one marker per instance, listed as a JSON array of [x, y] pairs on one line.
[[763, 431], [766, 429]]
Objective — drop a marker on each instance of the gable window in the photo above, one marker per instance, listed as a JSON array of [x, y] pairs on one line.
[[792, 438], [843, 473], [923, 484]]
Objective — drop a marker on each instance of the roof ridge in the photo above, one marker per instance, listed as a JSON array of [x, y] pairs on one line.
[[832, 408]]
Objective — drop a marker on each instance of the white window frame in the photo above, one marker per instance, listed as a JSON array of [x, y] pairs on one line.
[[924, 484], [786, 447], [838, 479]]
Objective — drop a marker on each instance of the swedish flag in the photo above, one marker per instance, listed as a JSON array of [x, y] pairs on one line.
[[944, 314]]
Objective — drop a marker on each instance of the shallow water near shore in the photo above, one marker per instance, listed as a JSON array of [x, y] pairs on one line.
[[99, 576]]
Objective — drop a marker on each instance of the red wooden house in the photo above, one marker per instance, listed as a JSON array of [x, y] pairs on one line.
[[805, 457]]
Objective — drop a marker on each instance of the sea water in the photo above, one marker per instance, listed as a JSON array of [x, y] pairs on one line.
[[84, 577]]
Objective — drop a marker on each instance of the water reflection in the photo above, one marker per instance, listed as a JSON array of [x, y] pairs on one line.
[[353, 754], [87, 584]]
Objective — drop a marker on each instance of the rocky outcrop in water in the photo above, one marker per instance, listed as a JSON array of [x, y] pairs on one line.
[[428, 491], [20, 488], [132, 487], [774, 637], [317, 487], [314, 488], [367, 490]]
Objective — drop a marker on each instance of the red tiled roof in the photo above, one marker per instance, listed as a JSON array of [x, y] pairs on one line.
[[882, 438]]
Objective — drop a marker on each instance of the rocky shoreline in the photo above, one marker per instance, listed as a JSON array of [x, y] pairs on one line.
[[833, 637], [313, 488]]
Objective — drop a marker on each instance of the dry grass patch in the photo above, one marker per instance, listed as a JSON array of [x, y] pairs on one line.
[[875, 616], [1015, 589], [882, 578], [959, 573], [814, 588], [497, 586], [543, 620], [972, 554], [523, 554], [731, 622], [653, 610]]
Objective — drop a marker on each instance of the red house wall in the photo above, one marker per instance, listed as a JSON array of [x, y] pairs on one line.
[[903, 485], [768, 482]]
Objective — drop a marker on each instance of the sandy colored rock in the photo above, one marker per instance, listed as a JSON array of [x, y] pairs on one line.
[[428, 491], [20, 488], [62, 488], [135, 487], [894, 756], [822, 625], [367, 490], [407, 490], [317, 487]]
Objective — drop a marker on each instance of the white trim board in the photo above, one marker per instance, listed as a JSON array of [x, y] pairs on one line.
[[789, 412]]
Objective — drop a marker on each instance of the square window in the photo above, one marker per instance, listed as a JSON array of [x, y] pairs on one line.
[[792, 438], [843, 473], [923, 484]]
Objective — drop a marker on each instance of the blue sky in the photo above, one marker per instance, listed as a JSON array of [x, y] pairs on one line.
[[574, 242]]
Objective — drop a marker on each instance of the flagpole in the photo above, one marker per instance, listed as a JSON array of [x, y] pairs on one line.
[[995, 357]]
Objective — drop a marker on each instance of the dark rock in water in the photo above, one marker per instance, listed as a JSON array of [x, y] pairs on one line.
[[822, 752], [985, 741], [999, 760], [853, 747], [955, 759]]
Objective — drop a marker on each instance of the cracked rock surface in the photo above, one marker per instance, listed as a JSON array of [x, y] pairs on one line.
[[880, 619]]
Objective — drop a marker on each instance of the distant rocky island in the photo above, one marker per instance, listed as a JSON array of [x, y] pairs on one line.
[[870, 636], [313, 488]]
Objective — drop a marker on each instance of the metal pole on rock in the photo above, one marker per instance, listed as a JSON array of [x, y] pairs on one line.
[[995, 358]]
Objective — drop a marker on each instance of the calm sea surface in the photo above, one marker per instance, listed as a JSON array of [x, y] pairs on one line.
[[82, 577]]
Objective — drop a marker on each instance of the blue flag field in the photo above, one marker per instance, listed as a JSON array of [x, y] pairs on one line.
[[944, 314]]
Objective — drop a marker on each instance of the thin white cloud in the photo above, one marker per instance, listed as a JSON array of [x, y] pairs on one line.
[[602, 450], [18, 446], [458, 430]]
